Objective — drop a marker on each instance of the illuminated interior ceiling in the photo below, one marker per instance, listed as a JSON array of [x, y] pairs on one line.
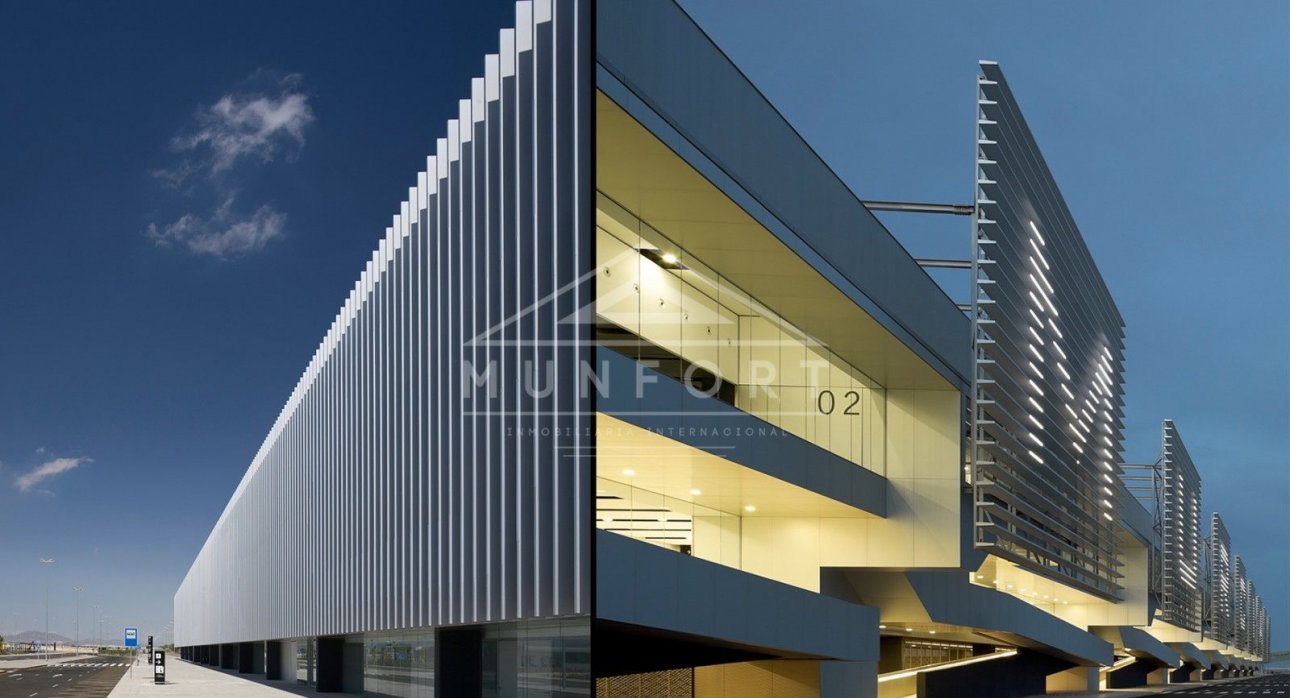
[[628, 454], [939, 632], [642, 174], [1032, 588]]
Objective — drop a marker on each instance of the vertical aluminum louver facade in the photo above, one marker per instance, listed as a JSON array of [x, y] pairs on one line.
[[1181, 540], [1047, 391], [403, 484], [1240, 604], [1259, 645], [1235, 614], [1220, 581]]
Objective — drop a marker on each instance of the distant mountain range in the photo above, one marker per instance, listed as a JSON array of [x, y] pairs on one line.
[[37, 636]]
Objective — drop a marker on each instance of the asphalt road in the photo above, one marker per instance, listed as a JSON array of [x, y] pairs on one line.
[[91, 677], [1268, 685]]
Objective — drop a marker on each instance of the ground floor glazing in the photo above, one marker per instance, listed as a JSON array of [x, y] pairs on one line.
[[530, 659]]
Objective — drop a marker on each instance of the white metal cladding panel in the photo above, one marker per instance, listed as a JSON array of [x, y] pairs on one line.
[[1241, 599], [390, 493], [1181, 539], [1047, 393], [1220, 581]]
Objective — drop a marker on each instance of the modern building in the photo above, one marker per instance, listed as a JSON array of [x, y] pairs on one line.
[[637, 397], [1206, 612]]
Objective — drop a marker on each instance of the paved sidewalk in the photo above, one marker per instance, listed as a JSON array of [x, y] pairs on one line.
[[186, 680]]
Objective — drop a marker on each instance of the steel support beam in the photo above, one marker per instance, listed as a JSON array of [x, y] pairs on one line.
[[920, 207], [945, 263]]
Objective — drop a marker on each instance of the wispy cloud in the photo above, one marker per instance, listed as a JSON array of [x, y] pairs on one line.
[[221, 235], [46, 470], [263, 119]]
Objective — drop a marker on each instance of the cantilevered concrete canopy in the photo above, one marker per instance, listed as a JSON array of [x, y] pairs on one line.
[[1138, 644], [643, 586], [1191, 654], [948, 597]]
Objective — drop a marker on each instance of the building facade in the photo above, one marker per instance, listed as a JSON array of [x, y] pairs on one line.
[[392, 523], [623, 406]]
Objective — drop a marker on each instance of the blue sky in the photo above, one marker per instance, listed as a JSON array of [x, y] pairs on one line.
[[1167, 126], [189, 190], [162, 359]]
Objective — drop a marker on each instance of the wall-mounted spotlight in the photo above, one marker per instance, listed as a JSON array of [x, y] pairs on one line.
[[667, 260]]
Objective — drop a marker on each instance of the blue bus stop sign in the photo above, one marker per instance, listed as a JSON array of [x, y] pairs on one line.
[[131, 637]]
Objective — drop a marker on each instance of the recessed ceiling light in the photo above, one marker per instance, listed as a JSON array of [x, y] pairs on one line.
[[669, 258], [932, 632], [882, 627], [750, 508], [909, 630], [696, 492], [629, 472]]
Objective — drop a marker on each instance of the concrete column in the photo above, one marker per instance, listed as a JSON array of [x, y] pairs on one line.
[[848, 680], [459, 661], [245, 657], [329, 664], [1130, 675], [890, 651], [273, 660], [288, 658], [228, 656], [1080, 678]]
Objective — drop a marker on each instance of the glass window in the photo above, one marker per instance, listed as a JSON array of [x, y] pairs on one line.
[[538, 659], [669, 522], [399, 665], [666, 308], [305, 661]]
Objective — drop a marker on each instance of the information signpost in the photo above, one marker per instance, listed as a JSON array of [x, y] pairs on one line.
[[159, 666], [131, 637]]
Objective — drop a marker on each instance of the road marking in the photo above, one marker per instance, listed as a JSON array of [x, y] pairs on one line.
[[57, 675], [33, 694]]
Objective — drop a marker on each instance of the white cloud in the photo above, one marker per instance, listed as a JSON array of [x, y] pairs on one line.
[[262, 119], [222, 235], [46, 470]]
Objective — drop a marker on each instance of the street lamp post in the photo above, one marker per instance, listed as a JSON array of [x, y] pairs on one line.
[[45, 645], [78, 617]]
